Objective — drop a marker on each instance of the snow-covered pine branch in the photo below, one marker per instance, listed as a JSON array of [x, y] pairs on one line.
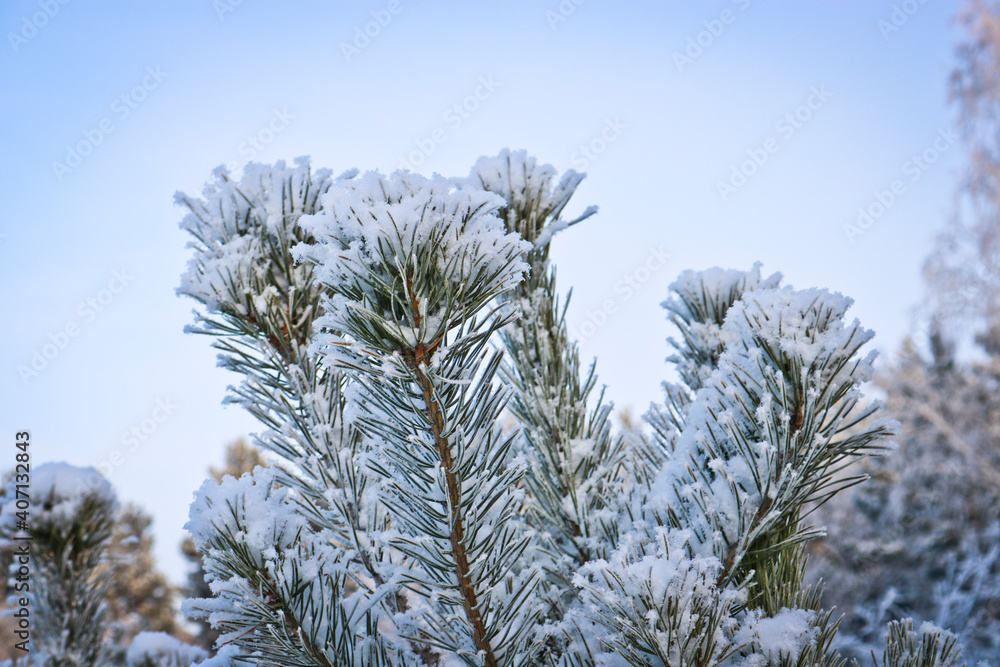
[[281, 589], [770, 414], [572, 457], [415, 266], [261, 310], [403, 526]]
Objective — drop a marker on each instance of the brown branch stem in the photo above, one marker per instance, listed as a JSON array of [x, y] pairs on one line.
[[459, 553]]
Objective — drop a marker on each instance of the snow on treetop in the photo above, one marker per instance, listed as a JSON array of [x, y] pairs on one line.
[[58, 489], [519, 178], [527, 188], [232, 221], [698, 294], [698, 305], [807, 325], [405, 248], [64, 481], [264, 194]]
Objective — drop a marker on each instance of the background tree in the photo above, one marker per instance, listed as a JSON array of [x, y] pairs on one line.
[[71, 518], [964, 270], [922, 538], [139, 597], [94, 585]]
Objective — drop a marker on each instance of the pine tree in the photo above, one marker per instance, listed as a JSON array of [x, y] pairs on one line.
[[89, 582], [384, 325], [69, 525]]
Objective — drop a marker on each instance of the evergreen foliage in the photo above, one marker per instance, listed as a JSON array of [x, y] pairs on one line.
[[71, 521], [385, 324], [240, 458]]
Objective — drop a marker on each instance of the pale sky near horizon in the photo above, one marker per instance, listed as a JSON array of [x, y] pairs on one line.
[[806, 111]]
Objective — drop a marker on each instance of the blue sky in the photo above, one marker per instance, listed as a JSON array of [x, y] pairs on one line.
[[805, 112]]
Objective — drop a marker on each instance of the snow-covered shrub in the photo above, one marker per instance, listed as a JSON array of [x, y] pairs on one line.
[[402, 523]]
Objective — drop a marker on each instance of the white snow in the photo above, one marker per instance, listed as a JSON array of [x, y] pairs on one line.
[[231, 222], [250, 508], [371, 235], [56, 491], [162, 650], [783, 635]]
